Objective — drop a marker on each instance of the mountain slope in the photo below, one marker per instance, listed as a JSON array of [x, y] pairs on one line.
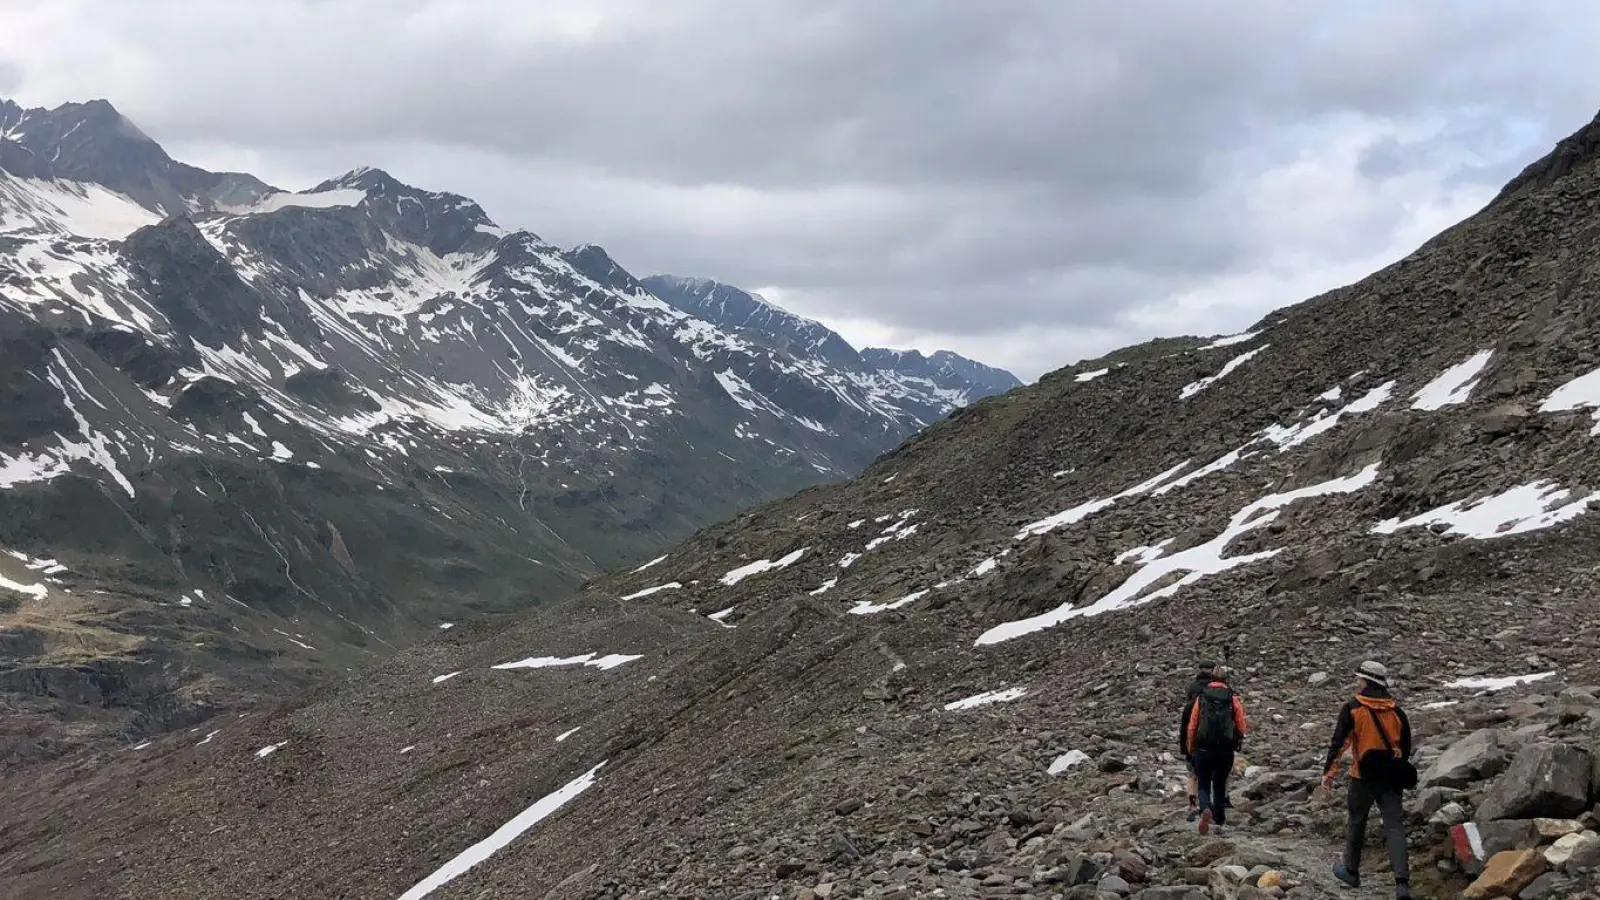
[[901, 385], [261, 436], [960, 672]]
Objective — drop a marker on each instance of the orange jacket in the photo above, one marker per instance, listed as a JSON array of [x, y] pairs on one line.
[[1357, 731], [1239, 722]]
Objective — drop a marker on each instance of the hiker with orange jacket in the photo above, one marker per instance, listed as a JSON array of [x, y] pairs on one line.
[[1213, 733], [1376, 732], [1199, 683]]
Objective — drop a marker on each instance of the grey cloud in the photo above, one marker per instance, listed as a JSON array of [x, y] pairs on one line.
[[972, 174]]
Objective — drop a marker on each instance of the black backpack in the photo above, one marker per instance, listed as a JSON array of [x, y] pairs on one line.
[[1216, 730], [1385, 770]]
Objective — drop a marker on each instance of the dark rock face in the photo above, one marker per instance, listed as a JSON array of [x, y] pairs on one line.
[[192, 284]]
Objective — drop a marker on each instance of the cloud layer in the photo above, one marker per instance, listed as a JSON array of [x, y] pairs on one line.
[[1028, 182]]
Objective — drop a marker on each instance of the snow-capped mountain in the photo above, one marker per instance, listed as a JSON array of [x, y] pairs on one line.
[[241, 420], [814, 368]]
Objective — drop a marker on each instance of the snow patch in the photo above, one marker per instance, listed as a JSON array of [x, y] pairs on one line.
[[270, 749], [441, 679], [1232, 339], [1454, 385], [1001, 696], [1067, 761], [1090, 376], [1084, 510], [1489, 685], [762, 565], [318, 200], [654, 562], [1295, 435], [1197, 562], [588, 659], [1527, 507], [864, 608], [1582, 392], [670, 586], [36, 591], [502, 836], [1196, 387]]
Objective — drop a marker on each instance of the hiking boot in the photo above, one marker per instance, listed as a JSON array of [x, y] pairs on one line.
[[1194, 814], [1402, 890], [1205, 822], [1353, 879]]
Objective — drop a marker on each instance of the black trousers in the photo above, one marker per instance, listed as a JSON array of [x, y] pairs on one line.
[[1389, 803], [1211, 771]]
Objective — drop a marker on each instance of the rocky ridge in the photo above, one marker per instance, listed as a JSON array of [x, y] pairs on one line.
[[959, 674], [252, 436]]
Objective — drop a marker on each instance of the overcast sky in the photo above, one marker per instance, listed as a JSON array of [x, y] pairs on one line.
[[1028, 182]]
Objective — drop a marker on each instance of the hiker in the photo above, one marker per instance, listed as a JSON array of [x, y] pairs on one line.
[[1378, 735], [1199, 683], [1214, 733]]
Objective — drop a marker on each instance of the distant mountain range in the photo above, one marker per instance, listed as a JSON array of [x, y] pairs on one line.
[[253, 435]]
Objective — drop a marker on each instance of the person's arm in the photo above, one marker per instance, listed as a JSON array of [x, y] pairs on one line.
[[1194, 726], [1341, 738], [1239, 721], [1405, 733]]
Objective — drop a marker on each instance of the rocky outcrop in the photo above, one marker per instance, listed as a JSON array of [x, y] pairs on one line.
[[1544, 780]]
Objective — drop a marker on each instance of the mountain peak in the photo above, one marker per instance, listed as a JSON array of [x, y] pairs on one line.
[[942, 367], [442, 221], [367, 178]]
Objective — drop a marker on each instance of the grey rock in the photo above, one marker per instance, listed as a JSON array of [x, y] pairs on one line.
[[1482, 754], [1544, 780], [1114, 884], [1507, 834]]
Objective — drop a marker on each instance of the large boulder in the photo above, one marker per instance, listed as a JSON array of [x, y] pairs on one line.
[[1575, 852], [1544, 780], [1506, 875], [1481, 754]]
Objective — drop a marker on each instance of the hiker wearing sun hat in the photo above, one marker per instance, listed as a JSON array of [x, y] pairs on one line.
[[1377, 733]]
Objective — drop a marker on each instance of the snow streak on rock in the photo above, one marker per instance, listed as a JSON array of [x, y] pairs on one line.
[[1197, 562], [1001, 696], [1527, 507], [1084, 510], [1193, 388], [502, 836], [1582, 392], [1454, 385], [610, 661], [762, 565], [1231, 340], [1488, 685], [637, 595]]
